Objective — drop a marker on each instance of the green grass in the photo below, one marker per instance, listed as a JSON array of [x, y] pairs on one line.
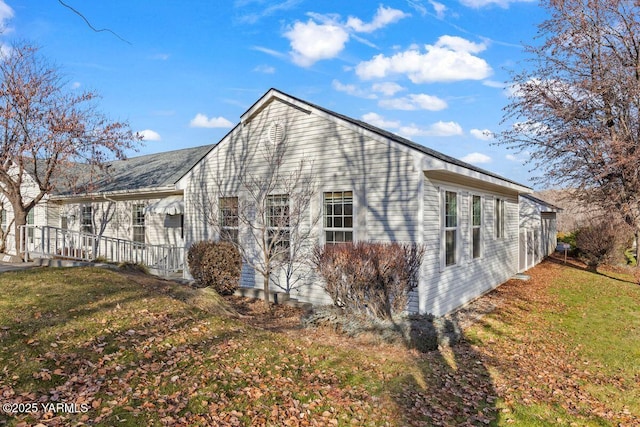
[[140, 352], [574, 342]]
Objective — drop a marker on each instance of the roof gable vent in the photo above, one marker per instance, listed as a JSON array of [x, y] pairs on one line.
[[276, 132]]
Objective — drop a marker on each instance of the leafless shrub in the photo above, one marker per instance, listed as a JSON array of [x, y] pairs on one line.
[[374, 279], [602, 241]]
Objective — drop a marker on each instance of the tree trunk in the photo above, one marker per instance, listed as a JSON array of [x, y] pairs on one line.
[[265, 288], [637, 234], [20, 219]]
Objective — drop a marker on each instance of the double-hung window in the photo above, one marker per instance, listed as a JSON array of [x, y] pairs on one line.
[[138, 223], [228, 218], [278, 223], [86, 219], [338, 217], [476, 226], [450, 229], [499, 218], [31, 221]]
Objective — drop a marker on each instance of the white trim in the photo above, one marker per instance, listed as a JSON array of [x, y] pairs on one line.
[[481, 226], [443, 229], [354, 221]]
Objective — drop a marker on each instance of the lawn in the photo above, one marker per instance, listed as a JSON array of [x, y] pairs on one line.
[[126, 349]]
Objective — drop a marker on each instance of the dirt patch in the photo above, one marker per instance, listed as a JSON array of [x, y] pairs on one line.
[[276, 317]]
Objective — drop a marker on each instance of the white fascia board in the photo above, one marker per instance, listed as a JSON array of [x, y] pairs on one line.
[[444, 171]]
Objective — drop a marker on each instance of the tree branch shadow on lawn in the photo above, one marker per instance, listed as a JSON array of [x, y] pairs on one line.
[[578, 265], [452, 385]]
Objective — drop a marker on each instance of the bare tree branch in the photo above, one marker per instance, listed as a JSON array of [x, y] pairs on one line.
[[97, 30]]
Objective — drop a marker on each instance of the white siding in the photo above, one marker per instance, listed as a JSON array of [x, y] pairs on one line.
[[393, 199], [114, 218], [385, 183], [443, 289]]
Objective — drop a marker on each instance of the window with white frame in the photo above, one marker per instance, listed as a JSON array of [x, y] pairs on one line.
[[476, 226], [138, 224], [450, 227], [338, 217], [278, 222], [86, 219], [3, 220], [31, 220], [499, 218], [228, 218]]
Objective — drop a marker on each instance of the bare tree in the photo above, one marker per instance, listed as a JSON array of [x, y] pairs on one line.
[[271, 223], [51, 138], [575, 109]]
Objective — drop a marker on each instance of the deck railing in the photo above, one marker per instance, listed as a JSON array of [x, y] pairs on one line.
[[53, 242]]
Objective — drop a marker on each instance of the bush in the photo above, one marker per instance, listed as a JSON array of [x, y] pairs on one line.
[[601, 242], [216, 265], [374, 279]]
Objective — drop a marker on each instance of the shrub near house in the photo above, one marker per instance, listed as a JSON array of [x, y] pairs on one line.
[[216, 265]]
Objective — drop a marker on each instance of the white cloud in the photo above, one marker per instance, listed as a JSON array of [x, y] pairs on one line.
[[202, 121], [519, 157], [494, 83], [476, 158], [149, 135], [387, 88], [449, 59], [160, 56], [271, 52], [439, 9], [312, 42], [6, 13], [383, 17], [483, 134], [325, 36], [76, 85], [436, 129], [379, 121], [352, 90], [414, 102], [482, 3], [266, 69]]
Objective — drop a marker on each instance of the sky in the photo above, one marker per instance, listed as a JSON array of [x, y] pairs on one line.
[[183, 72]]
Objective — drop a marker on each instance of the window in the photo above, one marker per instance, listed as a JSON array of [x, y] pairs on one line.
[[3, 220], [338, 217], [499, 218], [228, 218], [138, 223], [476, 226], [64, 222], [86, 220], [450, 227], [278, 222], [31, 222]]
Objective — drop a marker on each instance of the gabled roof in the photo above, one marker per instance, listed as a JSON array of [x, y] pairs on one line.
[[548, 206], [271, 93], [148, 172]]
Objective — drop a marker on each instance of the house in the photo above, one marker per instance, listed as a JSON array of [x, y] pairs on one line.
[[372, 186], [369, 185], [134, 200], [538, 230]]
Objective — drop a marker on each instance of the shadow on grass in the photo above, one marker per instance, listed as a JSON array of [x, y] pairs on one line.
[[451, 386], [573, 263]]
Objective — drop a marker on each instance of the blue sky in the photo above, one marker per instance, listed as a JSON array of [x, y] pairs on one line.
[[182, 72]]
